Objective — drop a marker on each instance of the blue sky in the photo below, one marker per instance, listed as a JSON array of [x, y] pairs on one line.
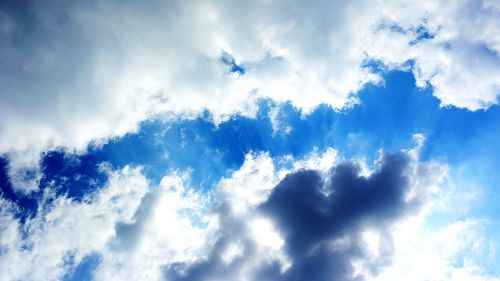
[[275, 143]]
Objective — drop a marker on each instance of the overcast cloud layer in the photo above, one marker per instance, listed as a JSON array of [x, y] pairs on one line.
[[79, 72]]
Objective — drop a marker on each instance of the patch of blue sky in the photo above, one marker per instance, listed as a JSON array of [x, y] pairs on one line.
[[84, 270], [73, 175], [65, 174], [386, 118]]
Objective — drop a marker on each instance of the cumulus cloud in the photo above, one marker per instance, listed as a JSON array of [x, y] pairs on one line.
[[448, 52], [319, 223], [319, 218], [82, 72], [169, 225], [36, 250], [133, 227]]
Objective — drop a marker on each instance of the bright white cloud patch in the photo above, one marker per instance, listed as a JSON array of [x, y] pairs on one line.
[[75, 73], [166, 228], [443, 253]]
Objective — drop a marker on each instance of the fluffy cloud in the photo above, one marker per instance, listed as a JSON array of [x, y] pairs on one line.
[[321, 217], [441, 253], [76, 73], [132, 226], [319, 221], [169, 225], [454, 47], [63, 228]]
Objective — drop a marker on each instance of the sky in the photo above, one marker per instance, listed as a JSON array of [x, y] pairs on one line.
[[258, 140]]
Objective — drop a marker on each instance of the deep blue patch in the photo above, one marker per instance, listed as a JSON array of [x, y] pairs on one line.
[[73, 175], [27, 204]]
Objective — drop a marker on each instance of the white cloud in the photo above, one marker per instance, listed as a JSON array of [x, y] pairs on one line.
[[250, 185], [461, 61], [138, 230], [434, 244], [440, 253], [66, 227], [168, 226], [78, 73], [134, 227]]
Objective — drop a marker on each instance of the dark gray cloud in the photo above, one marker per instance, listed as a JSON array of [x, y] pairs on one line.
[[313, 214]]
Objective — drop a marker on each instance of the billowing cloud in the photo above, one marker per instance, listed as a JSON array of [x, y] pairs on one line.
[[320, 218], [78, 73], [319, 224], [132, 226]]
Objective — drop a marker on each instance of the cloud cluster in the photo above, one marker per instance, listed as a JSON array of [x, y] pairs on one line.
[[319, 219], [319, 225], [81, 72], [133, 227]]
